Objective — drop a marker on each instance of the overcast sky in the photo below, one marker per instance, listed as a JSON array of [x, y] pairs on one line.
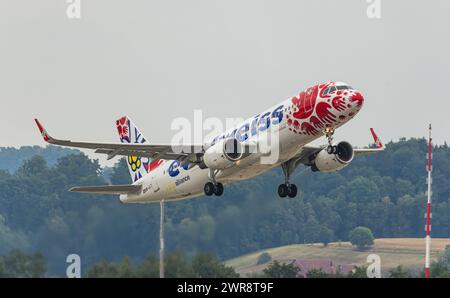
[[156, 60]]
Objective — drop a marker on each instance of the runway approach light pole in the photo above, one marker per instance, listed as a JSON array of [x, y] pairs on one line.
[[428, 213], [161, 241]]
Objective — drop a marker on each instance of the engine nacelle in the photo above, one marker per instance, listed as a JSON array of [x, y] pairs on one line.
[[223, 154], [325, 162]]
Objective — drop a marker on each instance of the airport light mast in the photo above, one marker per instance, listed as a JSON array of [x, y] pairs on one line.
[[428, 213], [161, 240]]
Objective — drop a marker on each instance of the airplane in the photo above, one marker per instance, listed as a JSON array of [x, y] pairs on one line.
[[170, 173]]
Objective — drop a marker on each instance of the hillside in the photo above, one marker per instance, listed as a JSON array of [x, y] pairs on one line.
[[408, 252], [384, 192], [11, 158]]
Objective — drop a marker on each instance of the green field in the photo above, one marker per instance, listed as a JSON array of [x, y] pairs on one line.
[[408, 252]]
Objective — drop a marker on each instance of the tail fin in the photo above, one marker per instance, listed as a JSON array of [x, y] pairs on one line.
[[129, 133]]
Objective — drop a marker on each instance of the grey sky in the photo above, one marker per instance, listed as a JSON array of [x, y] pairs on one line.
[[156, 60]]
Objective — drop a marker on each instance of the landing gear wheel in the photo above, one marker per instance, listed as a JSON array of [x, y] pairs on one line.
[[209, 189], [292, 191], [288, 189], [218, 189], [283, 190]]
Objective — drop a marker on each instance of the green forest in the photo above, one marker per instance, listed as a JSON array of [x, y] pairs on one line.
[[384, 192]]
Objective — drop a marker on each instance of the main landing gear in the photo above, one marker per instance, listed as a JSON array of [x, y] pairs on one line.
[[288, 189], [213, 187], [329, 132]]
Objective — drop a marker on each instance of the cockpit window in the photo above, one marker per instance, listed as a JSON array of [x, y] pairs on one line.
[[344, 88], [334, 88], [329, 90]]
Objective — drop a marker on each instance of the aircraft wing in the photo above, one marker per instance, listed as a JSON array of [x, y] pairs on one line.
[[113, 149], [307, 152], [108, 189], [379, 146]]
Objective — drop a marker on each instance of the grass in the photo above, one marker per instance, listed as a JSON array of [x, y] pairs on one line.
[[408, 252]]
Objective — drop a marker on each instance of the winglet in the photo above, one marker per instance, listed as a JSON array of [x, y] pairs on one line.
[[44, 133], [377, 140]]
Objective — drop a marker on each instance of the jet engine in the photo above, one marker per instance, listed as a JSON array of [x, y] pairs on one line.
[[223, 154], [326, 162]]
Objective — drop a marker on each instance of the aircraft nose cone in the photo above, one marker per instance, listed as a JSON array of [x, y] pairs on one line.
[[356, 100]]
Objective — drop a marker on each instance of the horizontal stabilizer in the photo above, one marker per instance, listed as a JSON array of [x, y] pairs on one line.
[[108, 189]]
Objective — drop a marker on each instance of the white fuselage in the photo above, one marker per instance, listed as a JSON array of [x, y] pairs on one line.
[[298, 121]]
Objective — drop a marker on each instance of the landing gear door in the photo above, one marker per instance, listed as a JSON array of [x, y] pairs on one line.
[[154, 185]]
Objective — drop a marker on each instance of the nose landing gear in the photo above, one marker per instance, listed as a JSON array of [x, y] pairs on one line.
[[329, 132]]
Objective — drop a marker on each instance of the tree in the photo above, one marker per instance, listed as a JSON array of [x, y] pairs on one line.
[[10, 239], [439, 269], [361, 237], [176, 265], [148, 268], [120, 174], [206, 266], [281, 270], [325, 235], [319, 273], [125, 269], [446, 256], [358, 272], [102, 269], [399, 272], [33, 167], [264, 258], [19, 264], [78, 169]]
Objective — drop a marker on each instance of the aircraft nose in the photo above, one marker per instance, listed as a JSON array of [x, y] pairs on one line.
[[356, 99]]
